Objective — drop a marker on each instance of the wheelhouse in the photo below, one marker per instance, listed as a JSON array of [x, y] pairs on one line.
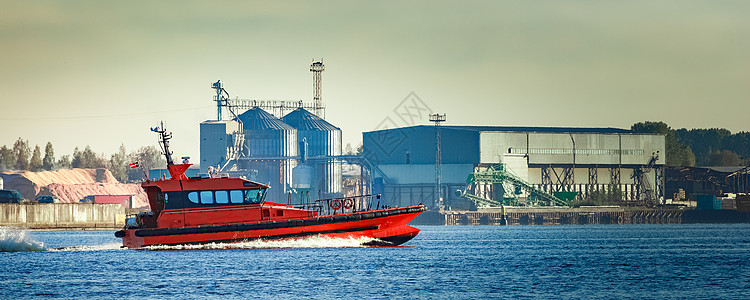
[[194, 193], [209, 198]]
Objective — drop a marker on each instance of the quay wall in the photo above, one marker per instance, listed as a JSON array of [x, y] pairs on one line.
[[62, 215], [578, 216]]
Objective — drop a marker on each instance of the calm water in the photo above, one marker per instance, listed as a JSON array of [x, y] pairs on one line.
[[468, 262]]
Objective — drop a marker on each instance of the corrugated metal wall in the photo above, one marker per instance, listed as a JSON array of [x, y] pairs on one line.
[[215, 139], [558, 148], [417, 145]]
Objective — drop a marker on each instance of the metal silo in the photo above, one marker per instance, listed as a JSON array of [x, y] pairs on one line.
[[323, 143], [270, 148]]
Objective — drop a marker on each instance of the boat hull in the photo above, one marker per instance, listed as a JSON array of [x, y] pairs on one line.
[[387, 227]]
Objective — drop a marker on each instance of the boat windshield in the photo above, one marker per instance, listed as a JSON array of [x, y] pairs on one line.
[[213, 197], [254, 196]]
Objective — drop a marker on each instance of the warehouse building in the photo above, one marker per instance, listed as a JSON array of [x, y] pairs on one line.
[[576, 161]]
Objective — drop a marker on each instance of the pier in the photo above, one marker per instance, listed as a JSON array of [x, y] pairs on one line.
[[581, 216]]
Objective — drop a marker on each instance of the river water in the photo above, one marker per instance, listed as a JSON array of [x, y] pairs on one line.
[[466, 262]]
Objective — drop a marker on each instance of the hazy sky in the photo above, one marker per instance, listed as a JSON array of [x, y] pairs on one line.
[[99, 73]]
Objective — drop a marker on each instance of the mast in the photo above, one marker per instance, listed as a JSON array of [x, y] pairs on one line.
[[176, 171], [164, 138]]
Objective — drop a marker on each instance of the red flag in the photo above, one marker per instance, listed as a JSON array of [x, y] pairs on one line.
[[134, 165]]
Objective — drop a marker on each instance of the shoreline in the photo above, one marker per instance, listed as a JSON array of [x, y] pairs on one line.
[[581, 216]]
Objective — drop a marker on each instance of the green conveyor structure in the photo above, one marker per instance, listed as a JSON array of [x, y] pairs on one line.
[[500, 173]]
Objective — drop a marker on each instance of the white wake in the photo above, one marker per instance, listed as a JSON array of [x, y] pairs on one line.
[[306, 242], [15, 240], [18, 240], [111, 246]]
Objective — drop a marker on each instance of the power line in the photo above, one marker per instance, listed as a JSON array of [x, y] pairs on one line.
[[102, 116]]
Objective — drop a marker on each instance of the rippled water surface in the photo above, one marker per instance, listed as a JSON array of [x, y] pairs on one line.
[[468, 262]]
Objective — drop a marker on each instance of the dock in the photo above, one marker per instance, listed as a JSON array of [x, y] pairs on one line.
[[580, 216]]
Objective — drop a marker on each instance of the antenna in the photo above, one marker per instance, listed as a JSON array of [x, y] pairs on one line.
[[317, 68], [164, 137], [437, 119]]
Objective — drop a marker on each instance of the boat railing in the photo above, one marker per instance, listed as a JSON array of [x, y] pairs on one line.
[[341, 205]]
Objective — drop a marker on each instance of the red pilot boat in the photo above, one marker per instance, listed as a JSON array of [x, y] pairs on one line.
[[216, 208]]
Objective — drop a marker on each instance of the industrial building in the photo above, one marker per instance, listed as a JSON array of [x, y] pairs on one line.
[[297, 154], [522, 161]]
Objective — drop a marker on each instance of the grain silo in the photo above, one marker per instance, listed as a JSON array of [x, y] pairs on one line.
[[323, 143], [270, 147]]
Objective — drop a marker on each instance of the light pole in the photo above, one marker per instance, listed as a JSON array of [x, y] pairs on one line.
[[437, 119]]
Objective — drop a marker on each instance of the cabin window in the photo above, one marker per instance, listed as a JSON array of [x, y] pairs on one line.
[[252, 196], [236, 196], [261, 195], [222, 197], [207, 197], [193, 197]]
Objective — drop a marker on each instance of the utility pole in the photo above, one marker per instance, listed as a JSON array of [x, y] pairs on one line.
[[437, 119]]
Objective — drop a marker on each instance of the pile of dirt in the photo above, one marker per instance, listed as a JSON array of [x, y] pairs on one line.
[[72, 185], [70, 176]]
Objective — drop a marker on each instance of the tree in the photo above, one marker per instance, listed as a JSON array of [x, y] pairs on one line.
[[704, 142], [608, 195], [118, 164], [148, 157], [48, 163], [36, 160], [64, 162], [676, 154], [88, 159], [22, 152], [349, 150], [7, 159], [76, 161], [724, 158], [738, 143]]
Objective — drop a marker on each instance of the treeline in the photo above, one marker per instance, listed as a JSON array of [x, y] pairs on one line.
[[701, 147], [20, 157]]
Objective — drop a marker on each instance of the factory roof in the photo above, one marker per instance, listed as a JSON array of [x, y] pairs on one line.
[[301, 119], [258, 119], [605, 130]]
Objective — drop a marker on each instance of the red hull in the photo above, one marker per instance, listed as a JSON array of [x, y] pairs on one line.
[[387, 226]]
